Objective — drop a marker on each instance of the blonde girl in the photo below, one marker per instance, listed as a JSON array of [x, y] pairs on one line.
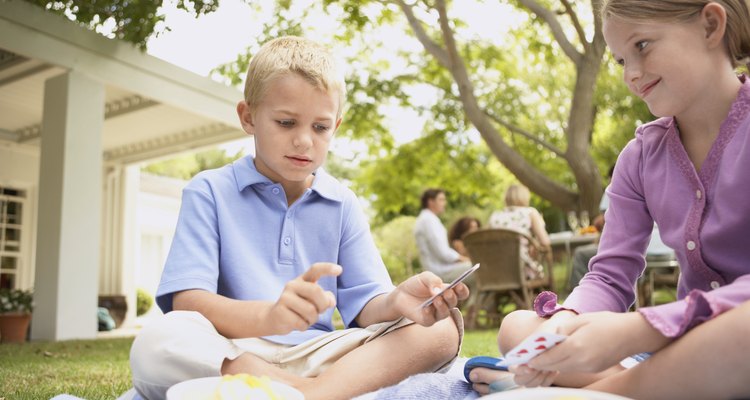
[[688, 172]]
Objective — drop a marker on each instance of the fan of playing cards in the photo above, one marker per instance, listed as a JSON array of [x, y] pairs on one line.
[[531, 347]]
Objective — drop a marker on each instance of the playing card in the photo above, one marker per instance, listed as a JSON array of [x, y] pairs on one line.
[[455, 282], [531, 347]]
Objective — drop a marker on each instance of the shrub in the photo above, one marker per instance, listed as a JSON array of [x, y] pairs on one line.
[[16, 301], [144, 301], [397, 246]]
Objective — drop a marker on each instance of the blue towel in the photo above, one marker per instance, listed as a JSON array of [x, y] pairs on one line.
[[427, 386]]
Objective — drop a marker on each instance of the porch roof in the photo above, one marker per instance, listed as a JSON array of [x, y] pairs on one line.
[[152, 108]]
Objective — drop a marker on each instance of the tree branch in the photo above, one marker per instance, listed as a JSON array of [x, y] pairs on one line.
[[528, 135], [430, 45], [598, 41], [554, 25], [515, 162], [576, 23]]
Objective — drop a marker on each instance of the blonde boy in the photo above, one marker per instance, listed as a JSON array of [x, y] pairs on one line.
[[266, 247]]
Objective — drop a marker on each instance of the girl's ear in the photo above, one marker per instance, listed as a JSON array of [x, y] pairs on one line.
[[714, 21]]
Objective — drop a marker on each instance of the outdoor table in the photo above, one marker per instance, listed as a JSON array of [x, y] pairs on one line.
[[563, 244]]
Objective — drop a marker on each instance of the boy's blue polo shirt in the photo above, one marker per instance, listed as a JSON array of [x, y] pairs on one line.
[[237, 237]]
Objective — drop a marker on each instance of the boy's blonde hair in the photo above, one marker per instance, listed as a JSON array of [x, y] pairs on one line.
[[517, 196], [292, 54], [737, 35]]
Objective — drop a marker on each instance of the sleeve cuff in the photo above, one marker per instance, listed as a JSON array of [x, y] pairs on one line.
[[675, 319], [545, 305]]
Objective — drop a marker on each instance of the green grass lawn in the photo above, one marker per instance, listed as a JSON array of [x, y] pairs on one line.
[[91, 369], [99, 369]]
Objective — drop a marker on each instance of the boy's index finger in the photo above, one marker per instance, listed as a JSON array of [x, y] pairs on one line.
[[319, 270]]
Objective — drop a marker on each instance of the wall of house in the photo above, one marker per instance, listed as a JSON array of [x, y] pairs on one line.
[[19, 168], [158, 206]]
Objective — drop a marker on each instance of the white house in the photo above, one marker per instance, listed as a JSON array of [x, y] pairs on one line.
[[78, 113]]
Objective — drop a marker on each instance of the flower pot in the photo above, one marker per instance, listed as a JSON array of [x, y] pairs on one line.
[[13, 327]]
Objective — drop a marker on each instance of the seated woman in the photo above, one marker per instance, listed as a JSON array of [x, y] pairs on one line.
[[518, 216], [458, 230]]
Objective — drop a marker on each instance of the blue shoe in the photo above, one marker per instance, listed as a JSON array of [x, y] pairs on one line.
[[481, 361]]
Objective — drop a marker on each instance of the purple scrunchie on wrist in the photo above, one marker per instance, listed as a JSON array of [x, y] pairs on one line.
[[545, 305]]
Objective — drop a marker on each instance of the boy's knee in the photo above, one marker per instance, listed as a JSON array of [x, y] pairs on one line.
[[160, 354], [443, 339], [450, 332], [515, 327]]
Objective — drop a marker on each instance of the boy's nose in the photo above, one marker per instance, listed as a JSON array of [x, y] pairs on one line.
[[303, 139]]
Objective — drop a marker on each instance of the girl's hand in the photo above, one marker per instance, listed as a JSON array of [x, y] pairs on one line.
[[410, 294], [302, 300], [530, 377], [482, 378], [527, 376], [597, 341]]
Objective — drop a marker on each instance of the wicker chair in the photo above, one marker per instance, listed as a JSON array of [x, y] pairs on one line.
[[502, 272]]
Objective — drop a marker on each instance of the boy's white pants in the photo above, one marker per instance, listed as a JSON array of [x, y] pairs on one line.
[[184, 345]]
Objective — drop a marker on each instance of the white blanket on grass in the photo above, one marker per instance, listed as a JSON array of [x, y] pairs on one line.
[[448, 385]]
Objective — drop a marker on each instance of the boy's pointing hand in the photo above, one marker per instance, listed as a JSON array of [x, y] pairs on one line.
[[303, 300]]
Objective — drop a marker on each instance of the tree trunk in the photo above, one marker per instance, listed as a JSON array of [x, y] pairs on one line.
[[580, 127]]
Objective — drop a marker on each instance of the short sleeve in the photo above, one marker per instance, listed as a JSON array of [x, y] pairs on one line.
[[365, 275], [193, 260]]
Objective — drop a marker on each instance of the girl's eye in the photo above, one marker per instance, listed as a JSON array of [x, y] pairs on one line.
[[620, 61], [287, 123], [641, 44]]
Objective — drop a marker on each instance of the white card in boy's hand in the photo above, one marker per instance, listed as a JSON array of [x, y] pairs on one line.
[[531, 347], [455, 282]]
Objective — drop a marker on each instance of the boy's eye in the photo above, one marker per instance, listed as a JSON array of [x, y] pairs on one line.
[[320, 128], [287, 123], [641, 44], [620, 61]]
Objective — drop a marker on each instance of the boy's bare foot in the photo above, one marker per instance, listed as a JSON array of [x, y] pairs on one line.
[[250, 364]]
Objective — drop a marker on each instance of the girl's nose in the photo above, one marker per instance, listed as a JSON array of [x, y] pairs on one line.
[[632, 72]]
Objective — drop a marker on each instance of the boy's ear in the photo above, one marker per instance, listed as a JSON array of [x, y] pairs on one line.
[[246, 117], [714, 20]]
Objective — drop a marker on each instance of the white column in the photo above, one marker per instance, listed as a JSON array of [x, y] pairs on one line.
[[120, 236], [131, 238], [109, 274], [68, 234]]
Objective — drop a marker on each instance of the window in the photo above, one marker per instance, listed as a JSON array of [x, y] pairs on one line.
[[12, 202]]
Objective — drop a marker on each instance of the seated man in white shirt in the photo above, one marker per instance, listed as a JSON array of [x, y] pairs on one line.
[[435, 253]]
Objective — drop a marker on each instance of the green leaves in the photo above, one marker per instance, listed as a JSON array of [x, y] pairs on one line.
[[187, 165], [394, 183], [133, 21]]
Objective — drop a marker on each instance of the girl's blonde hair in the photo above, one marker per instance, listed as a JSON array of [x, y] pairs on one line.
[[517, 195], [292, 54], [737, 36]]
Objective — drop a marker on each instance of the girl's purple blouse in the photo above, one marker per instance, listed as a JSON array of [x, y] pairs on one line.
[[704, 216]]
